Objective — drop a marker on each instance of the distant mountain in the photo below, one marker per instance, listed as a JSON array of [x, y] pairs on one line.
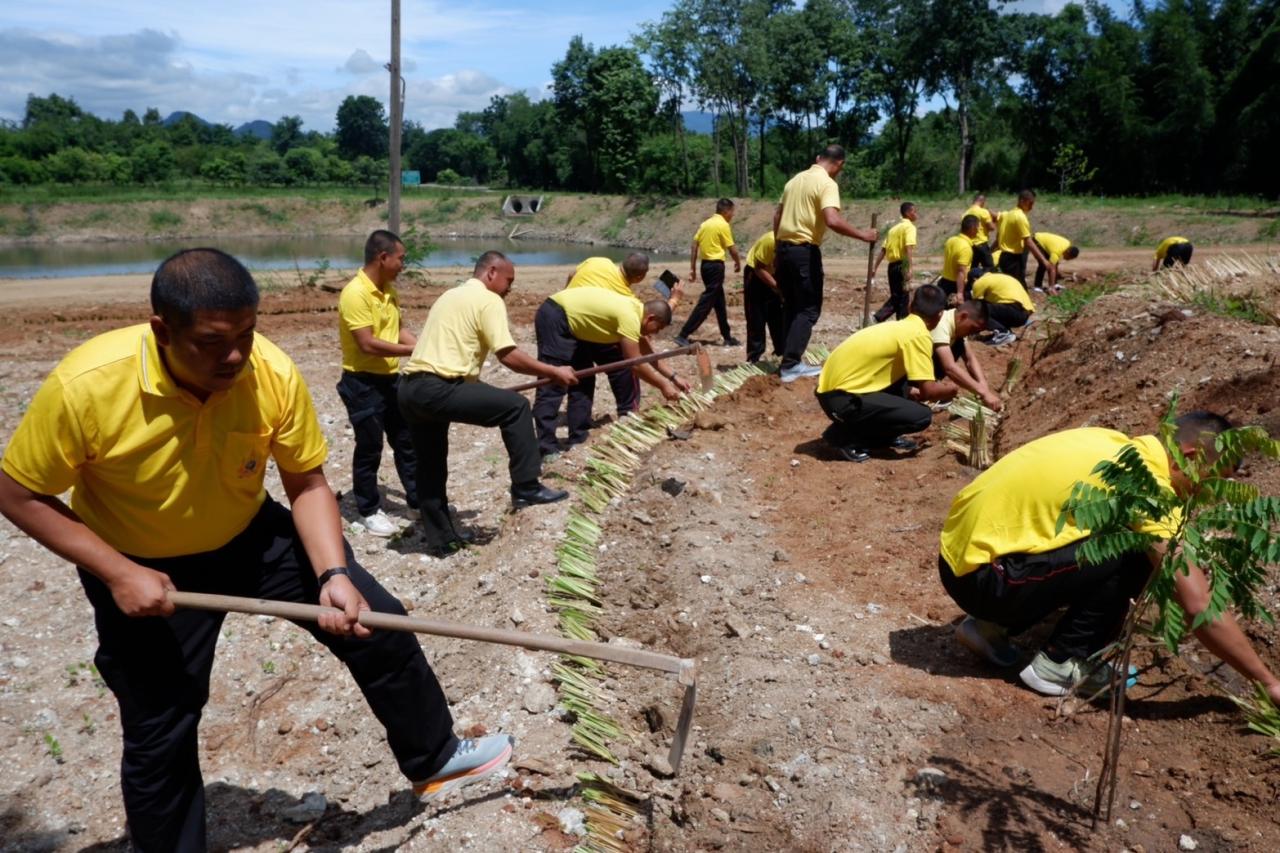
[[258, 129], [178, 115], [697, 122]]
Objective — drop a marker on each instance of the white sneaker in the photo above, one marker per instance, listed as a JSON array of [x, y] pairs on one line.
[[999, 339], [800, 371], [379, 524]]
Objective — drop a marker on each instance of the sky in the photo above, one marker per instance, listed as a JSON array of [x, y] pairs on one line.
[[239, 60]]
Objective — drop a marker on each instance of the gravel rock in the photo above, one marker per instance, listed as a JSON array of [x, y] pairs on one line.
[[539, 698], [572, 822], [1186, 842], [311, 808]]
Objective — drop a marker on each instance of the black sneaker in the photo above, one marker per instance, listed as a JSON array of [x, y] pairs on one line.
[[448, 549], [523, 496], [904, 444], [682, 341], [853, 454], [731, 341]]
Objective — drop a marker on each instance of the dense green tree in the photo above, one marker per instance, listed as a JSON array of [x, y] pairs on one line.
[[286, 133], [362, 127]]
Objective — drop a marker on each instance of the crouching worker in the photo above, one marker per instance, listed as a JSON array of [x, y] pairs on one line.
[[441, 386], [1005, 563], [1008, 305], [1172, 250], [953, 359], [591, 315], [872, 384], [162, 432]]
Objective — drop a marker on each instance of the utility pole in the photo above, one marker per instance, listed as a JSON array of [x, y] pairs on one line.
[[397, 115]]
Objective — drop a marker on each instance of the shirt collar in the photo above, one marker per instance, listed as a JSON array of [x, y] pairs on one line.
[[369, 285], [154, 377]]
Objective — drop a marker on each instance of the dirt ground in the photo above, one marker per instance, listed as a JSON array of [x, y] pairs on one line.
[[834, 712]]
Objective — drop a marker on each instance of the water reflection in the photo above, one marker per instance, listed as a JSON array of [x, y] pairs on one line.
[[275, 253]]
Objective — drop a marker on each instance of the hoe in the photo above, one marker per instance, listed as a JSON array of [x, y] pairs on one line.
[[705, 375]]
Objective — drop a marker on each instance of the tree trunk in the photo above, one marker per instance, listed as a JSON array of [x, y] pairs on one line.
[[715, 151], [762, 129], [963, 113], [684, 153]]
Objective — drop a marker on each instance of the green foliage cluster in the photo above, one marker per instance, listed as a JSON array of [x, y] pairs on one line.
[[1248, 307], [1074, 298], [1223, 526]]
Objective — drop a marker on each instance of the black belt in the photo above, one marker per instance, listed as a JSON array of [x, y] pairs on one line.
[[792, 243], [427, 374]]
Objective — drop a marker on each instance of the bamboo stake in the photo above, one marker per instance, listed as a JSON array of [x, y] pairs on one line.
[[871, 262]]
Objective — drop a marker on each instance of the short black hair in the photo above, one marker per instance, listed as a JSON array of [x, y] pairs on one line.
[[1071, 252], [928, 301], [636, 266], [660, 310], [833, 152], [1027, 195], [906, 207], [380, 241], [724, 204], [200, 280], [979, 196], [968, 221], [1200, 429], [488, 259], [977, 308]]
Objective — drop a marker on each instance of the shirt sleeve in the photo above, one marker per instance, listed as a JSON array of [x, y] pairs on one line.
[[1023, 227], [910, 239], [629, 322], [918, 358], [964, 255], [298, 444], [49, 446], [354, 309], [495, 334], [830, 196], [726, 236]]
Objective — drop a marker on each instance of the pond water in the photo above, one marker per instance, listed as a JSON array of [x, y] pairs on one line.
[[60, 260]]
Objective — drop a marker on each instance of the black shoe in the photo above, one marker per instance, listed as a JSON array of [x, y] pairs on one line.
[[523, 496], [448, 549], [904, 444], [731, 341], [853, 454], [682, 341]]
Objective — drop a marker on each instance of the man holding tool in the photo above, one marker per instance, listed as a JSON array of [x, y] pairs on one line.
[[712, 240], [810, 205], [373, 341], [592, 315], [761, 301], [899, 247], [1015, 239], [162, 432], [441, 386]]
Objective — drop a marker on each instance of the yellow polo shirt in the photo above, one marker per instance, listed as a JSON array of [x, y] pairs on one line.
[[1166, 244], [601, 272], [1054, 246], [1001, 289], [874, 358], [986, 222], [762, 252], [1013, 506], [152, 470], [900, 236], [957, 254], [361, 306], [463, 327], [1012, 230], [714, 237], [600, 317], [944, 334], [803, 199]]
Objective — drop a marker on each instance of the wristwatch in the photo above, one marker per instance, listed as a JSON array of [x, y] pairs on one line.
[[331, 574]]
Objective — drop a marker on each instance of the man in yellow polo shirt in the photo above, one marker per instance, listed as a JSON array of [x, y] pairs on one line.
[[441, 385], [591, 315], [958, 255], [1056, 249], [810, 205], [713, 239], [1004, 561], [899, 246], [987, 221], [619, 279], [373, 341], [163, 432], [761, 300], [871, 385], [1014, 239], [1172, 250], [953, 359], [1008, 305]]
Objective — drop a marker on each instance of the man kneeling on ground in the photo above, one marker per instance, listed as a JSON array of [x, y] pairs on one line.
[[1008, 305], [1005, 563], [871, 385], [953, 359], [441, 385], [162, 432]]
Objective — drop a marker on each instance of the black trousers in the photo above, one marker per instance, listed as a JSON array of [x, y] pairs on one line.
[[158, 668], [1178, 252], [957, 352], [899, 299], [557, 345], [763, 307], [1005, 316], [799, 274], [623, 383], [947, 285], [1015, 265], [868, 421], [712, 298], [983, 260], [1041, 269], [370, 399], [429, 404], [1022, 590]]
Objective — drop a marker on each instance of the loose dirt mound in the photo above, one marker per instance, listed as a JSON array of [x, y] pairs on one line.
[[834, 712]]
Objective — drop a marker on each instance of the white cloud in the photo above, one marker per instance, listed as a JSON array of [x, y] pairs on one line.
[[360, 62]]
